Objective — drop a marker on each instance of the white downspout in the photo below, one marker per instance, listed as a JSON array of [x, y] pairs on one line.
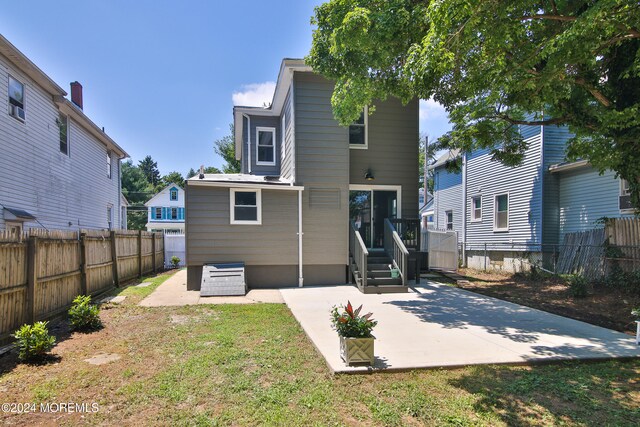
[[464, 209], [248, 141], [300, 233]]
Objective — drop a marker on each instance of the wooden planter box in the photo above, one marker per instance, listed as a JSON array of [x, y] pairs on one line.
[[357, 350]]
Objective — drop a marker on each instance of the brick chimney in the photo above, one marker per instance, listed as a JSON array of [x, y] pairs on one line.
[[76, 94]]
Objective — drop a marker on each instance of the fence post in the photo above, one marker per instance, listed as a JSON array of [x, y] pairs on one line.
[[140, 254], [114, 259], [83, 264], [32, 277], [153, 252], [485, 256]]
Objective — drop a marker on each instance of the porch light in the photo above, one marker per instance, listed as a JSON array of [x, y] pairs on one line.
[[369, 175]]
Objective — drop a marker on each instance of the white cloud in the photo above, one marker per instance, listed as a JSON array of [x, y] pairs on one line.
[[430, 109], [434, 120], [254, 94]]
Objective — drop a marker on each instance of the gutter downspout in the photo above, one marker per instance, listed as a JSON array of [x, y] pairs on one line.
[[300, 234], [248, 141], [464, 209]]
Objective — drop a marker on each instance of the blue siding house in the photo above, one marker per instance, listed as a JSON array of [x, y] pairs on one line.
[[166, 210], [524, 210]]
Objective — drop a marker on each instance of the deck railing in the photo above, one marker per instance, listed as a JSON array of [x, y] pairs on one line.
[[396, 250], [359, 253], [409, 231]]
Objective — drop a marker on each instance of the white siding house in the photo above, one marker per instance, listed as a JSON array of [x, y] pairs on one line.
[[58, 170], [165, 210]]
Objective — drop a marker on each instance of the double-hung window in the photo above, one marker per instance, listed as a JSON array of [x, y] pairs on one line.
[[173, 194], [158, 213], [358, 134], [110, 216], [245, 206], [449, 215], [174, 213], [16, 99], [501, 212], [282, 137], [63, 128], [624, 201], [476, 209], [108, 164], [266, 146]]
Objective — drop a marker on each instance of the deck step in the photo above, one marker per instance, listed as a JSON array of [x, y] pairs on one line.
[[372, 274], [384, 281], [381, 266], [378, 260], [385, 289]]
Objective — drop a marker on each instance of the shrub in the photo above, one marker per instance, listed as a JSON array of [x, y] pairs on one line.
[[175, 261], [33, 341], [83, 315], [578, 285], [349, 324], [636, 313]]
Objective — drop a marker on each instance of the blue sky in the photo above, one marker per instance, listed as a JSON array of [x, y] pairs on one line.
[[162, 76]]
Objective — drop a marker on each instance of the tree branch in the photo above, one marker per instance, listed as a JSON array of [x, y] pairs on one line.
[[599, 96], [551, 121], [549, 17]]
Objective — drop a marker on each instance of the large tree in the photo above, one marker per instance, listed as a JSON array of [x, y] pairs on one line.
[[495, 65], [225, 147], [150, 170], [137, 191], [175, 177], [209, 169]]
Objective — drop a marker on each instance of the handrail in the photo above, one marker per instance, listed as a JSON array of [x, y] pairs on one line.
[[396, 249], [359, 252]]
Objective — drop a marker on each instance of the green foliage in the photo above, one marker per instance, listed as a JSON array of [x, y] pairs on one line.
[[209, 169], [491, 64], [225, 147], [577, 285], [150, 170], [33, 341], [83, 315], [175, 261], [172, 177], [349, 324], [636, 313]]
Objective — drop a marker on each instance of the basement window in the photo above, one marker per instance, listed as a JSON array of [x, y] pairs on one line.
[[245, 206]]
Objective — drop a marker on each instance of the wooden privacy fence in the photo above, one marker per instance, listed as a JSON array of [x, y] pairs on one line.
[[42, 271]]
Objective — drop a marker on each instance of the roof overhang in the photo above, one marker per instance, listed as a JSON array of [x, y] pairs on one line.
[[229, 184], [563, 167], [15, 214], [285, 76]]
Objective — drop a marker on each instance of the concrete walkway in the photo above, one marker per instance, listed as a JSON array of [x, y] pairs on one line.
[[173, 292], [441, 326]]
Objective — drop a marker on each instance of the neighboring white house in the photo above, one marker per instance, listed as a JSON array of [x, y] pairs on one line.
[[166, 210], [58, 169], [124, 204]]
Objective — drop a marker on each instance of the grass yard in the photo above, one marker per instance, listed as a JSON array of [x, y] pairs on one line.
[[253, 365]]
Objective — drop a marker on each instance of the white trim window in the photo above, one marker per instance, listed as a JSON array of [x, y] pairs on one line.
[[501, 212], [173, 194], [449, 217], [265, 146], [158, 213], [16, 99], [624, 188], [109, 164], [110, 217], [282, 137], [174, 213], [359, 131], [624, 201], [245, 206], [476, 209], [63, 127]]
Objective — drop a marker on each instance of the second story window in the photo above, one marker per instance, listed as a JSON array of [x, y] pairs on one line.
[[358, 131], [173, 194], [108, 165], [16, 99], [158, 213], [282, 138], [64, 134], [266, 146], [624, 201]]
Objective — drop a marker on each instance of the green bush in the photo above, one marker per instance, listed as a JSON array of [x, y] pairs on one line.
[[175, 261], [349, 324], [83, 315], [578, 285], [33, 341]]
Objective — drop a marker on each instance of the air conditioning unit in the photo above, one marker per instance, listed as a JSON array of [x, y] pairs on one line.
[[16, 112]]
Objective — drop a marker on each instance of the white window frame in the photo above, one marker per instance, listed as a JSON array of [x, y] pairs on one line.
[[110, 216], [364, 146], [66, 124], [171, 213], [624, 191], [24, 98], [473, 209], [446, 219], [155, 213], [282, 135], [273, 147], [109, 169], [495, 212], [171, 192], [232, 205]]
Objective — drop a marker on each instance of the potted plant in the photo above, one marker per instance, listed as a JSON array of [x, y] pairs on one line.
[[356, 341], [636, 312]]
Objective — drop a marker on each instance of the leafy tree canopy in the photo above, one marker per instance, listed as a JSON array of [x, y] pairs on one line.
[[225, 147], [492, 64], [175, 177], [150, 170], [209, 169]]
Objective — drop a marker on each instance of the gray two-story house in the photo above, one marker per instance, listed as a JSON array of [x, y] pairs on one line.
[[58, 169], [308, 188], [508, 217]]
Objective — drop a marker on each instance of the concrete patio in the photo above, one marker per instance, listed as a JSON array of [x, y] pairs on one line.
[[441, 326]]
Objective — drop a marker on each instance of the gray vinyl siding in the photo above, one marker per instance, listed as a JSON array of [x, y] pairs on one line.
[[260, 121], [555, 142], [392, 151], [322, 161], [447, 197], [63, 192], [523, 183], [287, 163], [586, 196], [211, 238]]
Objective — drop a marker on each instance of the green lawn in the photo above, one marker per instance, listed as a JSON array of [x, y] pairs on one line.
[[253, 365], [136, 294]]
